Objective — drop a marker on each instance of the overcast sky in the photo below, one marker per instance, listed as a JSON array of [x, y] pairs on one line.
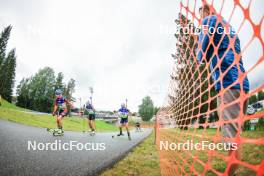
[[121, 48]]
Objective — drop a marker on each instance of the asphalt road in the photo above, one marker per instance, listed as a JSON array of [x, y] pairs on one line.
[[103, 151]]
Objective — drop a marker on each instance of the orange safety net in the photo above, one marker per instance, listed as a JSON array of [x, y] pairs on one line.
[[195, 110]]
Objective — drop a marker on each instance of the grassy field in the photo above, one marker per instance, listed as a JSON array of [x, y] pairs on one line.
[[143, 160], [251, 153], [7, 105], [19, 115]]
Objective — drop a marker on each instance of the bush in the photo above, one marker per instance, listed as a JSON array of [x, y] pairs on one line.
[[260, 124]]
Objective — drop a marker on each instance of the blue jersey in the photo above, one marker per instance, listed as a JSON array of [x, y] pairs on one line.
[[123, 112], [224, 48]]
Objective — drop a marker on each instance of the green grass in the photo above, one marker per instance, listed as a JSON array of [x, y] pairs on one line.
[[19, 115], [7, 105], [143, 160], [251, 153]]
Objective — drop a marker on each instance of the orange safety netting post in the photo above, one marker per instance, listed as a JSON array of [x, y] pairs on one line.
[[208, 95]]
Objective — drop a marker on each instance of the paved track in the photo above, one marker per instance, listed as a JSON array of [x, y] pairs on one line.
[[16, 159]]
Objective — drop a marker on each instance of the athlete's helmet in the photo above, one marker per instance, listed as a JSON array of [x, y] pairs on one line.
[[88, 102], [58, 92], [123, 105]]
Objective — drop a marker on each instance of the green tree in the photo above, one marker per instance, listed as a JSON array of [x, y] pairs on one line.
[[70, 89], [261, 95], [146, 109], [43, 89], [156, 109], [260, 124], [246, 126], [4, 37], [253, 99], [23, 93], [37, 92], [59, 82], [7, 66]]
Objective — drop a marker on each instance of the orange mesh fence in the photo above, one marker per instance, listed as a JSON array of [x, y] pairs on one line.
[[209, 102]]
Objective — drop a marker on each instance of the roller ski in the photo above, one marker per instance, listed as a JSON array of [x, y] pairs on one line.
[[56, 132], [138, 130], [128, 135], [120, 134], [92, 133]]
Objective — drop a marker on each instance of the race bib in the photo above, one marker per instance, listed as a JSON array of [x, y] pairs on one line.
[[90, 111], [124, 115]]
